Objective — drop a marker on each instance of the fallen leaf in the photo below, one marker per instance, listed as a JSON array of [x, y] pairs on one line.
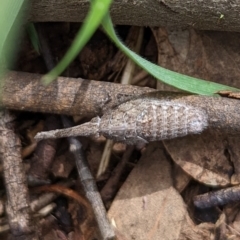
[[148, 206], [203, 157]]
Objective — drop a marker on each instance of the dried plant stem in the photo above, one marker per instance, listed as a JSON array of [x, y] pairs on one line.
[[105, 157], [218, 198]]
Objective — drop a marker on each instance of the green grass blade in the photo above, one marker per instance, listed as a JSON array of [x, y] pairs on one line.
[[180, 81], [10, 26], [98, 10], [32, 33]]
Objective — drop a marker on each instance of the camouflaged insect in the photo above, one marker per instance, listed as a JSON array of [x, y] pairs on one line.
[[140, 121]]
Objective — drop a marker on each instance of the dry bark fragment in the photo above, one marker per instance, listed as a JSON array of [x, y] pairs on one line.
[[18, 209], [209, 15], [24, 91]]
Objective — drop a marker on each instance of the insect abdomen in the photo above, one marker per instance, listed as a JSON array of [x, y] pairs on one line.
[[151, 120]]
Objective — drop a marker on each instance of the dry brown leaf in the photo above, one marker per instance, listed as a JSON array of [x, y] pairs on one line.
[[232, 213], [235, 226], [203, 157], [229, 94], [148, 206], [181, 178]]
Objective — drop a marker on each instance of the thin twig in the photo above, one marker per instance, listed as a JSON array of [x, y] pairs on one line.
[[105, 157], [89, 186], [218, 198]]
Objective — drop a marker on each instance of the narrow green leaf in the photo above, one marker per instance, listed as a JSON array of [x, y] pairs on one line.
[[32, 33], [180, 81], [98, 10], [10, 25]]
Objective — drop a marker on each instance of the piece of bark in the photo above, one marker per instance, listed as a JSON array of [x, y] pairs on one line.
[[148, 207], [24, 91], [17, 207], [209, 15]]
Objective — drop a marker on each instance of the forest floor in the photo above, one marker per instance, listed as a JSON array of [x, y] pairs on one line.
[[148, 189]]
